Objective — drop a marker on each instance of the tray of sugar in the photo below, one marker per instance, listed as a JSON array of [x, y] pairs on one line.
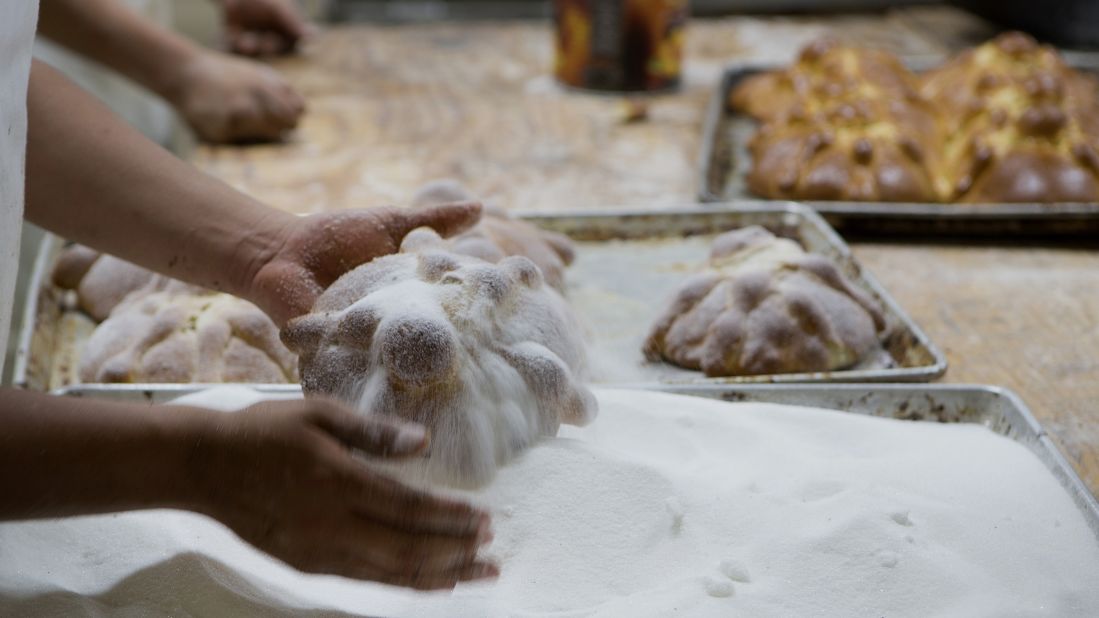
[[998, 409], [724, 163], [628, 264]]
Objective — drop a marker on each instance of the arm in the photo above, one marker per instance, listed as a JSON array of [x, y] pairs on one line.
[[62, 457], [279, 474], [222, 98], [93, 179]]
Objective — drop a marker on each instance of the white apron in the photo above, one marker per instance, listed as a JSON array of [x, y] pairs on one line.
[[17, 23]]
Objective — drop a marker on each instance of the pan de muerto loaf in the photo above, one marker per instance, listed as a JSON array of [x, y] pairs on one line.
[[498, 235], [103, 281], [764, 305], [842, 123], [485, 355], [185, 337], [1022, 126]]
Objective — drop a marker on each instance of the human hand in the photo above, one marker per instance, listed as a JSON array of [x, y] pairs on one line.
[[262, 27], [281, 475], [314, 251], [226, 99]]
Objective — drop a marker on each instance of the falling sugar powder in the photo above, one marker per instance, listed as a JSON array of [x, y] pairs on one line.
[[588, 530]]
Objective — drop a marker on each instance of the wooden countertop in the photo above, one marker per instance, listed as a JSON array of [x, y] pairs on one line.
[[393, 107]]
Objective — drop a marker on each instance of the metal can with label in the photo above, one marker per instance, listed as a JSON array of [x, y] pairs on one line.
[[620, 45]]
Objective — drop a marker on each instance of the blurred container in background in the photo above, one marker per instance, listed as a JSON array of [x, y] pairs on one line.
[[620, 45], [1070, 23]]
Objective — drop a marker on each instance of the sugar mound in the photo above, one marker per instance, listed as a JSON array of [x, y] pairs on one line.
[[734, 571], [485, 355], [585, 527]]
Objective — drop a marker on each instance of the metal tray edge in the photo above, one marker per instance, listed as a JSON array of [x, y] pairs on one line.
[[30, 309]]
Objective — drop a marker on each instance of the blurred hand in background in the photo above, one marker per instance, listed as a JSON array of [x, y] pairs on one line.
[[222, 98], [263, 27]]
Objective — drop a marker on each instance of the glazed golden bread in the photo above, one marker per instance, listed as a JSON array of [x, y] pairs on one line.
[[1021, 125], [842, 123], [155, 329], [826, 72], [763, 305], [1004, 122]]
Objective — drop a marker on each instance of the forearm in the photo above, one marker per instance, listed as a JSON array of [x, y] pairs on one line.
[[93, 179], [112, 34], [64, 456]]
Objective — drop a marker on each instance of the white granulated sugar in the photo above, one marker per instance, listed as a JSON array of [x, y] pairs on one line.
[[663, 506]]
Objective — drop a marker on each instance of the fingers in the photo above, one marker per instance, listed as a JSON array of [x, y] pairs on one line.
[[273, 109], [243, 42], [447, 219], [265, 27], [415, 560], [383, 499], [414, 555], [376, 436], [446, 580], [288, 22]]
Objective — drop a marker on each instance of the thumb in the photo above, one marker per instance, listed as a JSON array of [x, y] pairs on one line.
[[381, 437], [446, 219], [285, 291]]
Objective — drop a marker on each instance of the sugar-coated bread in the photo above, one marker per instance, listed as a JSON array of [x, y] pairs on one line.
[[157, 329], [499, 235], [103, 281], [186, 336], [763, 305], [484, 354]]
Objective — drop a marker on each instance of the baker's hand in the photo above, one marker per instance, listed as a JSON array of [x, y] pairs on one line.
[[226, 99], [281, 474], [262, 27], [314, 251]]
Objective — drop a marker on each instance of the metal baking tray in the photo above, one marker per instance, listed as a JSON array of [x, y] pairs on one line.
[[629, 263], [45, 353], [723, 163], [999, 409]]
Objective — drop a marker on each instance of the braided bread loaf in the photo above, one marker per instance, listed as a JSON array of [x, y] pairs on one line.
[[1008, 121], [160, 330], [841, 124], [185, 337], [1021, 125]]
